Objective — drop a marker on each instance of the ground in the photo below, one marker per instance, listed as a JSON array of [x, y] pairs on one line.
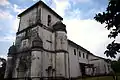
[[100, 78]]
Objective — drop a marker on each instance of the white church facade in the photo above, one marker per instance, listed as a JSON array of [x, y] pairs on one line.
[[42, 49]]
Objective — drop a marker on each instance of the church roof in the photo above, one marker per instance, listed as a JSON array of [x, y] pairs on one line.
[[76, 45], [12, 49], [43, 4], [59, 26]]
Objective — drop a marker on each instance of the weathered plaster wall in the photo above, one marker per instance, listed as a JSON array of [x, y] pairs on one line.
[[26, 19], [45, 14], [61, 47], [61, 40]]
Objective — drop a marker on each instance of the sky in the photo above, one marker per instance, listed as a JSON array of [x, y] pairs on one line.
[[78, 15]]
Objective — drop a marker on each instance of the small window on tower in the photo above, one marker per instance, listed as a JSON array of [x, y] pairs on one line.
[[74, 51], [49, 20], [79, 54]]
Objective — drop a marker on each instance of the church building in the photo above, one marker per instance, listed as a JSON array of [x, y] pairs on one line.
[[42, 49]]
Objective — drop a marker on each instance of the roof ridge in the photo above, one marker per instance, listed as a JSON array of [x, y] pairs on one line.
[[37, 3]]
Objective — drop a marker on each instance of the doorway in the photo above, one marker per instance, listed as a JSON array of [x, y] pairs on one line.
[[82, 68]]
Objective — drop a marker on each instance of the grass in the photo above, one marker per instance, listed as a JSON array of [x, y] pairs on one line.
[[118, 77], [100, 78]]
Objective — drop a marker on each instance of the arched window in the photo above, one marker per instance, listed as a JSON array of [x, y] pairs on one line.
[[49, 20]]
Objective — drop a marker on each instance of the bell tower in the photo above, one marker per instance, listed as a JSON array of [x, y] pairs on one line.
[[40, 49]]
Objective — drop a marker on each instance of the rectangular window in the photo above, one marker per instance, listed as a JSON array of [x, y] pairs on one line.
[[79, 54], [108, 68], [74, 51], [49, 20], [83, 55], [87, 56], [38, 16]]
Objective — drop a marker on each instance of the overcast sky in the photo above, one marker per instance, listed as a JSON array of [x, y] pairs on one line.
[[78, 15]]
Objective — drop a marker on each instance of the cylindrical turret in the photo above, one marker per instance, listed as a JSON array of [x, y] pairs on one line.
[[9, 66]]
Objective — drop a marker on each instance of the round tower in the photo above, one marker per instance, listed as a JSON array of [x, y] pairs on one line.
[[10, 61]]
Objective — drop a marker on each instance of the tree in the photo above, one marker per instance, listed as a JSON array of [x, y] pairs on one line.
[[111, 17], [119, 59], [116, 66], [2, 68]]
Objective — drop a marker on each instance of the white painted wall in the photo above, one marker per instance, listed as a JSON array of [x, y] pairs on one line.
[[74, 62], [100, 64], [75, 69], [82, 59]]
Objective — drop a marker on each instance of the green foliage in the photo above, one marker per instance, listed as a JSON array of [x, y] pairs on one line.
[[116, 66], [112, 48], [111, 17], [99, 78], [2, 68]]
